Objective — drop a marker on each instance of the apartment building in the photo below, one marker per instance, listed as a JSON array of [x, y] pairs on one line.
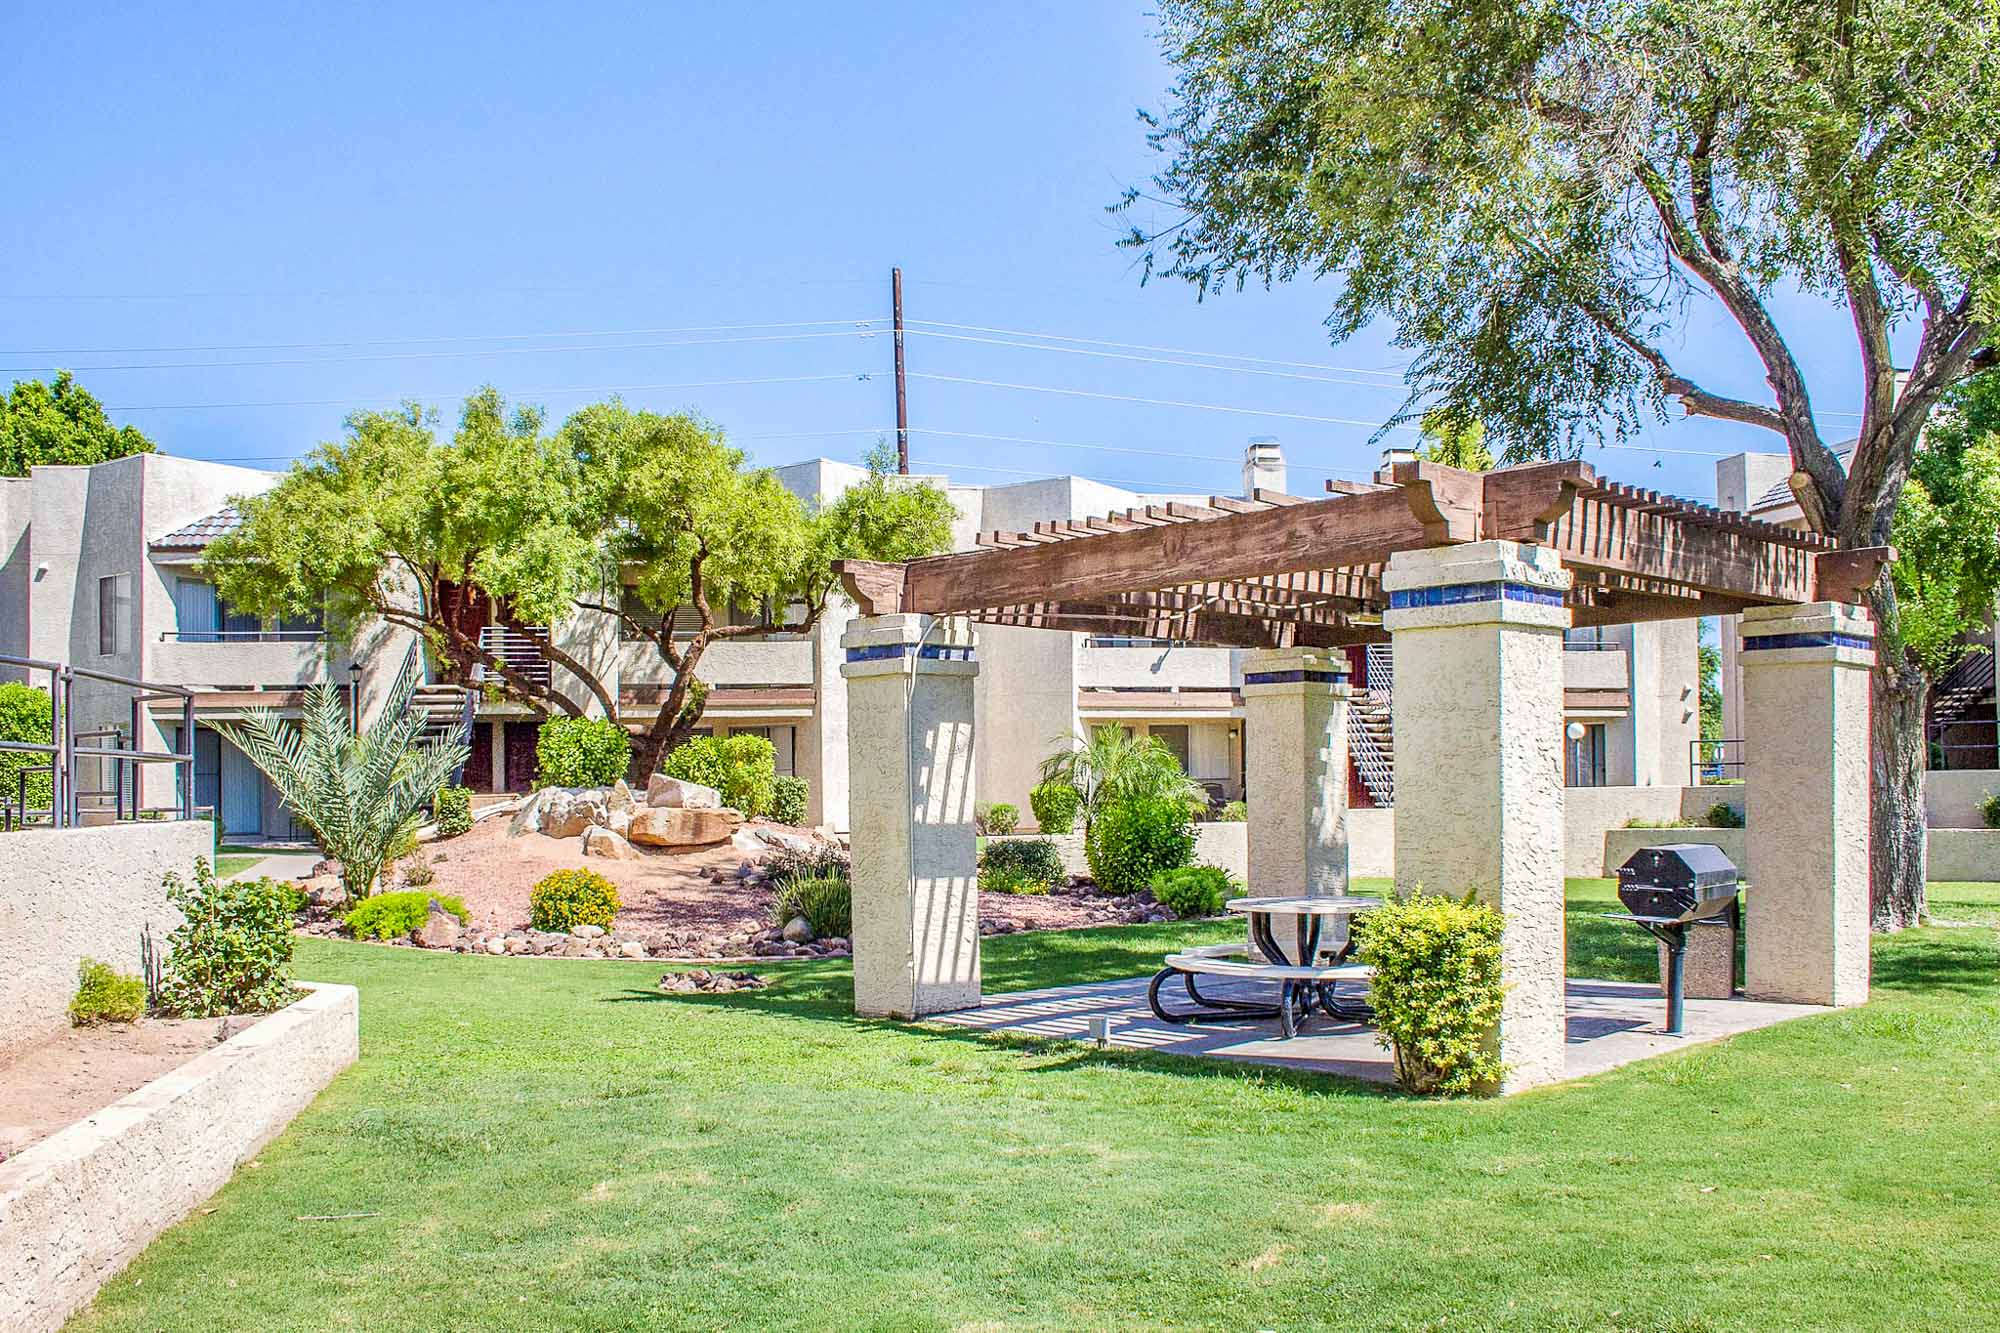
[[99, 566]]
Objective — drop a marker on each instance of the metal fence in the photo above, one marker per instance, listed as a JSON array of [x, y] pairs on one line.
[[1714, 762], [68, 745], [1964, 742]]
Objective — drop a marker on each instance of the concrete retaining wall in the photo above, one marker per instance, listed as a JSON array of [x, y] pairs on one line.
[[67, 894], [1952, 796], [78, 1206], [1964, 853]]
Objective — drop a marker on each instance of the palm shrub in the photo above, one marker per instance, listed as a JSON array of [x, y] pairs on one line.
[[742, 767], [232, 952], [580, 752], [1023, 865], [1111, 765], [1130, 841], [1055, 804], [1436, 990], [1194, 891], [355, 792]]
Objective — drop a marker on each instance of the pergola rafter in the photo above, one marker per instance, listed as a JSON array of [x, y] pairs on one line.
[[1273, 570]]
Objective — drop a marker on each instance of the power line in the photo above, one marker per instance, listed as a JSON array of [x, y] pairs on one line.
[[1156, 360], [439, 356], [1145, 487], [524, 393], [1121, 449], [1154, 402], [729, 438], [426, 341], [1149, 347]]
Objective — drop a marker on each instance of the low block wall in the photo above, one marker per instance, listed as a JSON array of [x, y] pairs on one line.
[[1952, 796], [1964, 853], [67, 894], [80, 1205]]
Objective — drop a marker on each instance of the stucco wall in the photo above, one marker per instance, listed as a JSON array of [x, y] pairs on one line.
[[80, 1205], [1952, 796], [16, 496], [1964, 854], [67, 894]]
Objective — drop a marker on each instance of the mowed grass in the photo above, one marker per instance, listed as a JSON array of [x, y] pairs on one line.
[[556, 1145]]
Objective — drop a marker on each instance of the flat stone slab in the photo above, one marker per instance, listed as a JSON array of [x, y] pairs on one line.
[[1610, 1023]]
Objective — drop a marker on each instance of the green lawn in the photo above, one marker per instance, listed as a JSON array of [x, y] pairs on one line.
[[229, 863], [558, 1146]]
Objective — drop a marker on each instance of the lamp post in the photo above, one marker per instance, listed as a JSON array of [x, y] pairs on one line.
[[354, 697]]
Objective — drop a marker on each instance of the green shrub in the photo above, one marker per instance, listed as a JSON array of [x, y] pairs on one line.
[[790, 798], [821, 859], [1436, 990], [825, 901], [452, 811], [581, 752], [391, 916], [106, 995], [996, 818], [1724, 815], [1194, 891], [287, 892], [232, 952], [1131, 841], [571, 898], [1026, 865], [1989, 809], [1636, 822], [25, 714], [1055, 804], [742, 767], [1235, 812]]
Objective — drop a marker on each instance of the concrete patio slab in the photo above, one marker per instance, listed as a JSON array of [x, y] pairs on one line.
[[1608, 1023]]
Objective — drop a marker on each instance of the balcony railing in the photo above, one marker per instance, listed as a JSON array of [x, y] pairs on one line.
[[67, 745], [522, 652], [242, 635], [1713, 762]]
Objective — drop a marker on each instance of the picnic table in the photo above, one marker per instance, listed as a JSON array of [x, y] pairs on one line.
[[1308, 975]]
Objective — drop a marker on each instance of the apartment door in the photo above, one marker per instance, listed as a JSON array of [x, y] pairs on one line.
[[242, 794]]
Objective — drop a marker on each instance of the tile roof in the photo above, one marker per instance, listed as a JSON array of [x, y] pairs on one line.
[[1781, 495], [197, 535]]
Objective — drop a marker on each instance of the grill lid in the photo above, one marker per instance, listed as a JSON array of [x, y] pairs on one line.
[[1682, 865]]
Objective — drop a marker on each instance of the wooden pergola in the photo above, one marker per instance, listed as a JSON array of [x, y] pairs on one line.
[[1278, 571]]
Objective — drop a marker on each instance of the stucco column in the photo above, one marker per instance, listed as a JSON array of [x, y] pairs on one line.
[[1805, 773], [910, 780], [1479, 790], [1295, 772]]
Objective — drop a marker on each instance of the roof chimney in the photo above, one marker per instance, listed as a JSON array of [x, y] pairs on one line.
[[1263, 465]]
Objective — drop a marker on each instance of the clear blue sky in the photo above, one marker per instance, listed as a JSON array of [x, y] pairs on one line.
[[418, 179]]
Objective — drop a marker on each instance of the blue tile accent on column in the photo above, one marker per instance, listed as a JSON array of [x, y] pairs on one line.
[[1816, 639], [1454, 594], [930, 652], [1293, 677]]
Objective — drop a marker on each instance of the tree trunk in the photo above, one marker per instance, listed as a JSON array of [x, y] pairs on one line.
[[649, 747], [1896, 811]]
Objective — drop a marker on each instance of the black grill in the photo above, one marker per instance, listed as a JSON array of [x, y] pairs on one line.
[[1682, 880]]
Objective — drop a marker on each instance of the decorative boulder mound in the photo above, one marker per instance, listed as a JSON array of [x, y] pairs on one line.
[[676, 816]]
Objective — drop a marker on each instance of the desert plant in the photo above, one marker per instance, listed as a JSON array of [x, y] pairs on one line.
[[580, 752], [995, 818], [1055, 804], [1436, 989], [355, 792], [825, 901], [1724, 815], [1989, 809], [1194, 891], [571, 898], [1129, 842], [418, 872], [1234, 812], [232, 952], [1110, 765], [25, 715], [391, 916], [451, 810], [742, 767], [790, 798], [106, 995], [288, 892], [1024, 865], [820, 859]]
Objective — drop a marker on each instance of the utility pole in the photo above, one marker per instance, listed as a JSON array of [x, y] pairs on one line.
[[902, 391]]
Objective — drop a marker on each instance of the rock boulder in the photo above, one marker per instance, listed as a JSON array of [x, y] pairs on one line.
[[440, 929], [679, 828], [606, 843], [665, 793]]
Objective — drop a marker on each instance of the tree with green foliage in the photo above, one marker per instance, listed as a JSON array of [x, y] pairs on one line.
[[621, 514], [1708, 661], [59, 423], [1534, 190], [1112, 765], [1455, 439], [26, 714]]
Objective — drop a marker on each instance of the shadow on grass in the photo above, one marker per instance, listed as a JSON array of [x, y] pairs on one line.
[[1928, 960]]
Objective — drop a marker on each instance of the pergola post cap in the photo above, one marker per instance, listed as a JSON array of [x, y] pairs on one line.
[[1295, 670], [877, 645], [1477, 583], [1476, 562], [1808, 632]]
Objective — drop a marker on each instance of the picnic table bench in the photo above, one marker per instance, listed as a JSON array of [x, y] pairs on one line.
[[1307, 977]]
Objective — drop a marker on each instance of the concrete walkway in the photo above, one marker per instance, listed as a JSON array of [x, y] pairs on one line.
[[280, 864], [1610, 1023]]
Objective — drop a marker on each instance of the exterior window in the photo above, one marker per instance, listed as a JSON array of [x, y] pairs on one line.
[[1584, 758], [114, 613], [1176, 740], [294, 629], [783, 744]]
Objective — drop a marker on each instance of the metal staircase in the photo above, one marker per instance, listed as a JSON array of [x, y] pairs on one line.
[[448, 712], [1371, 744]]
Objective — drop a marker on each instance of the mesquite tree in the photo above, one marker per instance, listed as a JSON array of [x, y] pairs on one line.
[[1532, 190], [622, 514]]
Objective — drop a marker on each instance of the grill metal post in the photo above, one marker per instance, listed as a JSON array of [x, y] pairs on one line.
[[1676, 941]]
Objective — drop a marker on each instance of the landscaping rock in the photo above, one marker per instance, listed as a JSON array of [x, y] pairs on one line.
[[631, 949], [586, 932], [604, 842], [620, 798], [798, 931], [707, 982], [760, 838], [496, 945], [528, 819], [677, 827], [835, 944], [663, 792], [440, 929]]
